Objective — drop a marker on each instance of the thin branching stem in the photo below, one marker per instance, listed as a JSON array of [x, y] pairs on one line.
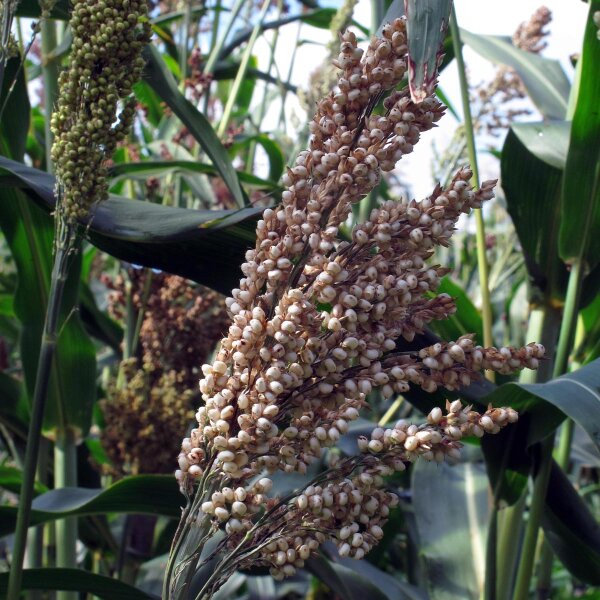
[[486, 304]]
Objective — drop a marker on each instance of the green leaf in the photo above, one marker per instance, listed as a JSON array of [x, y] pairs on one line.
[[575, 395], [76, 580], [548, 141], [531, 185], [544, 79], [389, 585], [579, 237], [571, 529], [162, 82], [140, 494], [157, 168], [156, 236], [426, 25], [467, 318], [451, 512], [14, 410], [342, 581], [271, 148], [11, 478], [97, 323]]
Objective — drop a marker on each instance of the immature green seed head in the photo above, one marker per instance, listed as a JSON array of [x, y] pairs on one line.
[[95, 108]]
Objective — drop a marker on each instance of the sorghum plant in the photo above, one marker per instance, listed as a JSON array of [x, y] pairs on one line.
[[317, 323]]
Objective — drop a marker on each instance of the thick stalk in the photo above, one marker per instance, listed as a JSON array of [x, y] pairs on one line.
[[65, 475], [510, 531], [66, 245], [482, 265], [241, 74], [35, 535], [565, 343]]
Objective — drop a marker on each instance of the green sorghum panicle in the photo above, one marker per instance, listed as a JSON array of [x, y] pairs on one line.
[[95, 108]]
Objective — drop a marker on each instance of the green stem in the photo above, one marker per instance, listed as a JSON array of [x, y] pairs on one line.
[[65, 246], [510, 532], [65, 475], [50, 71], [241, 74], [538, 500], [565, 344], [482, 263], [218, 43], [263, 105], [289, 77], [377, 14]]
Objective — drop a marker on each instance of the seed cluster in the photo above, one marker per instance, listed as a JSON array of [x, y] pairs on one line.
[[315, 326], [152, 399], [95, 107]]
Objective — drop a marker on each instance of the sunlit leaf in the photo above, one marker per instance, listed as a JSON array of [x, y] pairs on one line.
[[579, 236], [544, 78]]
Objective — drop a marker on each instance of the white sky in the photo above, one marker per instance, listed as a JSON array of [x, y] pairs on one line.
[[477, 16]]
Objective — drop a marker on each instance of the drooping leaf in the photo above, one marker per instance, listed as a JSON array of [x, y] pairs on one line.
[[343, 582], [571, 529], [426, 26], [575, 395], [205, 246], [389, 585], [544, 78], [156, 168], [451, 512], [157, 75], [76, 580], [140, 494], [548, 141], [579, 237]]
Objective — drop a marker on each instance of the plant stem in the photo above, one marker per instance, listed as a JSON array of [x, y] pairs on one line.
[[482, 264], [565, 343], [50, 70], [218, 43], [65, 475], [509, 537], [66, 243], [263, 105], [241, 74], [282, 122]]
